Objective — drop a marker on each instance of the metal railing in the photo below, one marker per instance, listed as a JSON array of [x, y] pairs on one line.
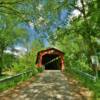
[[15, 76], [91, 77]]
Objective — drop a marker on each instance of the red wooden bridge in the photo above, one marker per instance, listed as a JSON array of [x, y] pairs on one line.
[[50, 58]]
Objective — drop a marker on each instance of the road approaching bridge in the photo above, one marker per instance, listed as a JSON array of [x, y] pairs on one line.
[[51, 85]]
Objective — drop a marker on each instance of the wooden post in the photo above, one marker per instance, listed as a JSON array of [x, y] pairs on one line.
[[96, 71], [95, 65], [62, 64]]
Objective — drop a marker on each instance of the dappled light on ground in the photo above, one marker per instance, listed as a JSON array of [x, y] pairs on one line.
[[51, 85]]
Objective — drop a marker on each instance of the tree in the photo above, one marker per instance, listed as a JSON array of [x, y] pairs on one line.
[[9, 34], [86, 25], [12, 14]]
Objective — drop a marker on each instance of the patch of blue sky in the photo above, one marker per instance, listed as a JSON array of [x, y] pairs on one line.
[[63, 14], [61, 21], [31, 34], [63, 18]]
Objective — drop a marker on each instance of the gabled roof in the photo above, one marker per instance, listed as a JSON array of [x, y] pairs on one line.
[[48, 49]]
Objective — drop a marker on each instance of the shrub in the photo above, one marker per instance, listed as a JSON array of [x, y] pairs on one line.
[[40, 69]]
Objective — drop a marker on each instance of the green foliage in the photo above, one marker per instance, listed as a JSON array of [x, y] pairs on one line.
[[83, 80], [9, 34], [18, 67], [16, 80], [28, 60], [8, 59], [40, 69], [78, 39]]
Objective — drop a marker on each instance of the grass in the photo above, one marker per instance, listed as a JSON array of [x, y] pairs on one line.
[[3, 76], [4, 85], [93, 86]]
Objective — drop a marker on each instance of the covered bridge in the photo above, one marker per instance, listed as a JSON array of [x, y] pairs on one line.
[[51, 59]]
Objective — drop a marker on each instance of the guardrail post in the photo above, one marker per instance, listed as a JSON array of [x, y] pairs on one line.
[[96, 71]]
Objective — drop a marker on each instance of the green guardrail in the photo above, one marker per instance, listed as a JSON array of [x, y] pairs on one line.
[[14, 76], [12, 81], [94, 78]]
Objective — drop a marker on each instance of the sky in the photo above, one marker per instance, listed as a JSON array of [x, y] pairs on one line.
[[62, 21], [59, 22]]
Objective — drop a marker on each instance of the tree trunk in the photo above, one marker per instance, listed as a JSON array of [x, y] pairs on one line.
[[0, 71], [1, 62]]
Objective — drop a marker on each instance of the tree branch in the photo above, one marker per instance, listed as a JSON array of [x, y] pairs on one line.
[[6, 2]]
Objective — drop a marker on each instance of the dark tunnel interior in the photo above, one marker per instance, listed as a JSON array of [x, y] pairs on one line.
[[55, 65]]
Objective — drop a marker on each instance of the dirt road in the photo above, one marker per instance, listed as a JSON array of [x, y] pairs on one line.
[[52, 85]]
